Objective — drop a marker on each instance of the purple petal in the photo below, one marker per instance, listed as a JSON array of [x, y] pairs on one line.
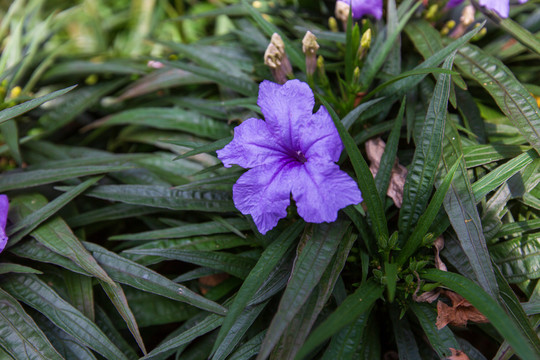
[[264, 193], [321, 189], [501, 7], [453, 3], [522, 1], [4, 207], [360, 8], [253, 145], [320, 138], [285, 108]]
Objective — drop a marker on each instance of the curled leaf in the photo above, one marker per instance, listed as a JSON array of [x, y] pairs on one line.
[[459, 313], [439, 245]]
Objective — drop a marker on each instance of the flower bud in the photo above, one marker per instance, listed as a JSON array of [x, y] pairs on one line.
[[322, 71], [155, 64], [365, 42], [278, 42], [276, 59], [467, 15], [432, 12], [356, 75], [272, 57], [310, 47], [342, 11], [15, 92], [332, 24]]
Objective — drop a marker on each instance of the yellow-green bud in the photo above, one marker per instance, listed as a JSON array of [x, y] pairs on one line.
[[91, 79], [365, 42], [332, 24], [432, 12], [322, 71], [356, 75], [15, 92]]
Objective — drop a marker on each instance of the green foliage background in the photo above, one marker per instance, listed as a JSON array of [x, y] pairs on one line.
[[119, 208]]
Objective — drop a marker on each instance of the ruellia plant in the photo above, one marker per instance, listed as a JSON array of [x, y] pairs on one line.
[[278, 179]]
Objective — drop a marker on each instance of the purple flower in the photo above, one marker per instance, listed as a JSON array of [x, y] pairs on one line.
[[501, 7], [4, 207], [361, 8], [293, 151]]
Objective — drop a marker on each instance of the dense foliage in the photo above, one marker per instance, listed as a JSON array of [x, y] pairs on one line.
[[124, 241]]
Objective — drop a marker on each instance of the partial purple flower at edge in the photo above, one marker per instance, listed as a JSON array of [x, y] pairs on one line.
[[501, 7], [293, 151], [4, 207], [361, 8]]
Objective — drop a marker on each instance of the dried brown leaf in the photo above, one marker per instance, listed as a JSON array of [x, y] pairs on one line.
[[439, 245], [457, 355], [375, 150], [459, 313], [208, 282]]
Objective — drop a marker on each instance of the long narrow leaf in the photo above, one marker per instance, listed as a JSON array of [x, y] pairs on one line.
[[366, 183], [19, 334], [17, 110], [310, 265], [268, 260], [37, 294], [427, 155], [354, 305]]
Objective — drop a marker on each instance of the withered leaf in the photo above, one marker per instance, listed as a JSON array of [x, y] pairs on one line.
[[374, 151], [457, 355], [459, 313]]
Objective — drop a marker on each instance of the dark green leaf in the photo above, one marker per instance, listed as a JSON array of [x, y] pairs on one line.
[[268, 260], [426, 219], [165, 197], [178, 232], [460, 205], [365, 180], [344, 344], [441, 340], [17, 110], [518, 258], [169, 119], [56, 235], [513, 98], [41, 297], [354, 305], [130, 273], [19, 334], [319, 246], [293, 338], [25, 179], [427, 155], [33, 220], [229, 263], [118, 298]]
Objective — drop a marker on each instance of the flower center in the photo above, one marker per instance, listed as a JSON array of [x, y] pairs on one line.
[[299, 156]]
